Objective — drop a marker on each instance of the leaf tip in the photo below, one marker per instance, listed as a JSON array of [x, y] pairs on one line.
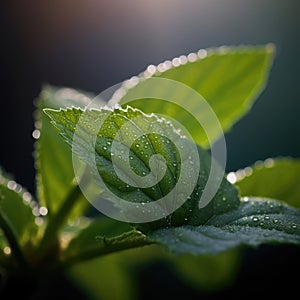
[[51, 113]]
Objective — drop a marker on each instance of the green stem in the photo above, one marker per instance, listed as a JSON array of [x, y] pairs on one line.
[[57, 220], [12, 239], [127, 240]]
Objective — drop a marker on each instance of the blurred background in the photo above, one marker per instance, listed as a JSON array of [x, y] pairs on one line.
[[93, 44]]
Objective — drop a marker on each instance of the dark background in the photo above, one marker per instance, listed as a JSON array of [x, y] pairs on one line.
[[91, 45]]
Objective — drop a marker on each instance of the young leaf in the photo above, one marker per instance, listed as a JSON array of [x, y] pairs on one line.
[[256, 221], [17, 221], [101, 245], [55, 175], [229, 79], [16, 208], [140, 152], [274, 178]]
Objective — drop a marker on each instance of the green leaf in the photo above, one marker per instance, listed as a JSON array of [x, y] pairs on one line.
[[17, 208], [161, 140], [229, 79], [191, 269], [55, 175], [101, 245], [273, 178], [104, 279], [18, 229], [256, 221], [91, 238]]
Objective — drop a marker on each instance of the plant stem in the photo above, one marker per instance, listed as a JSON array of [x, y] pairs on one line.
[[127, 240], [12, 239], [60, 217]]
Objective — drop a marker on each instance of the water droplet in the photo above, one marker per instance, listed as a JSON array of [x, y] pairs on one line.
[[231, 177], [176, 62], [131, 157], [261, 224], [183, 59], [275, 221], [36, 211], [43, 211], [269, 163], [7, 250], [224, 199], [202, 53], [36, 134], [267, 218], [39, 221], [137, 146], [248, 171], [143, 173], [151, 69], [108, 143], [12, 185], [192, 57], [294, 226], [104, 148], [185, 219], [255, 219]]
